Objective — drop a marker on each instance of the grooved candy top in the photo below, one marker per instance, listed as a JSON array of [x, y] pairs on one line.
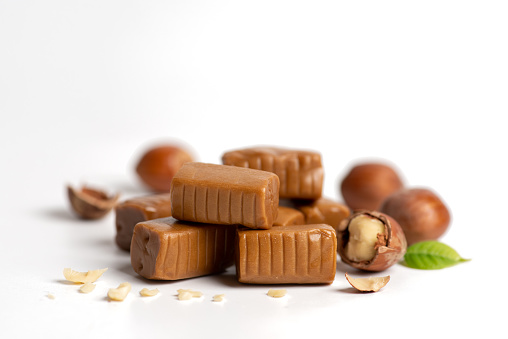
[[300, 172], [228, 195]]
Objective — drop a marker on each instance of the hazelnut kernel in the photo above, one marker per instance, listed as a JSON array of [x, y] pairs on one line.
[[370, 241]]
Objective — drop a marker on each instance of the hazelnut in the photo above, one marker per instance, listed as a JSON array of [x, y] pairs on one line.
[[370, 241], [367, 185], [420, 212], [158, 165], [89, 203]]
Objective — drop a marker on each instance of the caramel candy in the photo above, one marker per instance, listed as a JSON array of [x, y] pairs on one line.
[[321, 211], [289, 216], [170, 249], [227, 195], [132, 211], [298, 254], [300, 172]]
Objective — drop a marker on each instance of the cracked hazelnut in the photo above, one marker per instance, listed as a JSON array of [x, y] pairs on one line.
[[158, 165], [367, 185], [370, 241], [370, 284], [89, 203], [420, 212]]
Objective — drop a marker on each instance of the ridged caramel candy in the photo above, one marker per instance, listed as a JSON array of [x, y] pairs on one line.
[[132, 211], [227, 195], [298, 254], [323, 211], [170, 249], [300, 172], [289, 216]]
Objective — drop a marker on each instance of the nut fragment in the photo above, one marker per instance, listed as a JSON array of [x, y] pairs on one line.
[[89, 203], [218, 297], [51, 296], [363, 236], [119, 293], [370, 241], [371, 284], [87, 287], [83, 277], [184, 294], [276, 293], [145, 292]]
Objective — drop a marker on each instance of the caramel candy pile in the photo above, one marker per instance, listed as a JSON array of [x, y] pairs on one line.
[[128, 213], [269, 219]]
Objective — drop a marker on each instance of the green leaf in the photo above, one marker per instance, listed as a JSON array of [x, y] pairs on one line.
[[431, 255]]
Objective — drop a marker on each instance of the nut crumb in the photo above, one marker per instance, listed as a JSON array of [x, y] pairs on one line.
[[276, 293], [119, 293], [218, 297], [87, 287], [51, 296], [184, 294], [83, 277], [145, 292]]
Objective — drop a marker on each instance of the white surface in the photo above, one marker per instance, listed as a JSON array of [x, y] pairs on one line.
[[85, 86]]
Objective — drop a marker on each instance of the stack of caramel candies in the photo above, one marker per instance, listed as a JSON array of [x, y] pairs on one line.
[[262, 210]]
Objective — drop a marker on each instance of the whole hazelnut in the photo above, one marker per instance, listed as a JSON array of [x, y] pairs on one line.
[[158, 165], [370, 241], [420, 212], [367, 185]]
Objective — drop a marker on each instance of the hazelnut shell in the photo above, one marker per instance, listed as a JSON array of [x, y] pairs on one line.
[[89, 203], [390, 247], [420, 212]]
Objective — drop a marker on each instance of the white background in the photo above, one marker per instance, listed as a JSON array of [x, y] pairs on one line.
[[87, 86]]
